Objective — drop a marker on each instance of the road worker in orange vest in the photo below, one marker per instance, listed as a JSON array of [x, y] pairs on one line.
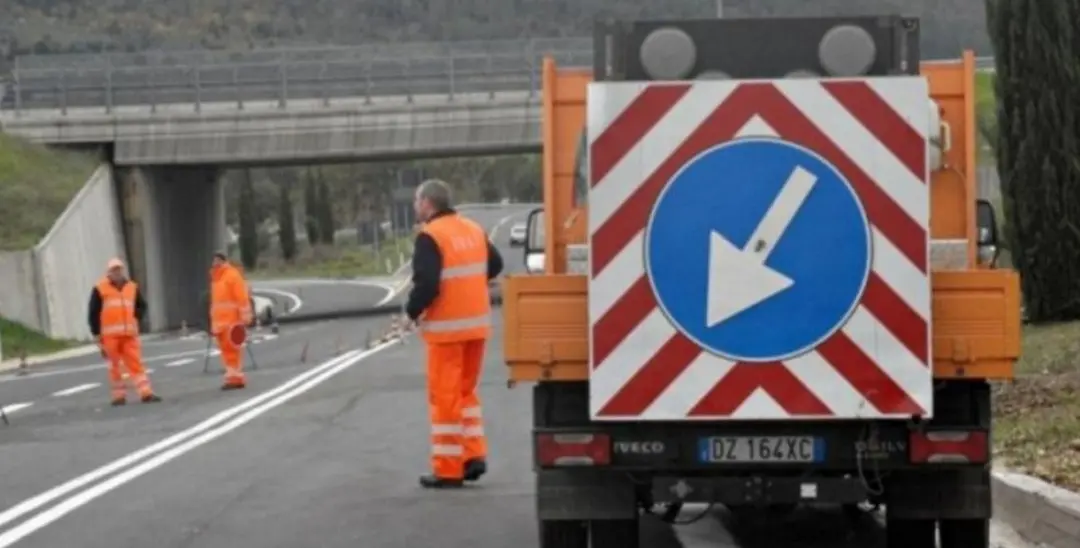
[[449, 304], [230, 308], [115, 310]]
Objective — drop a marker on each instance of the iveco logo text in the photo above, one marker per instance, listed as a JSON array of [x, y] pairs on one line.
[[639, 447]]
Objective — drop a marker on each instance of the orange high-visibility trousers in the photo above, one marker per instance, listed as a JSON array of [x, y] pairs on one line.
[[231, 357], [125, 352], [457, 429]]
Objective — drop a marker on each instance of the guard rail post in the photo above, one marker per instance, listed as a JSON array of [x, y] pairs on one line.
[[283, 90], [198, 89], [152, 92], [63, 94], [108, 88], [367, 80], [450, 74], [487, 76], [408, 79], [236, 88], [322, 85], [18, 95]]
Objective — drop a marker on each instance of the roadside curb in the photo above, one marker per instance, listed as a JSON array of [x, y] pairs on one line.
[[1040, 512], [77, 352]]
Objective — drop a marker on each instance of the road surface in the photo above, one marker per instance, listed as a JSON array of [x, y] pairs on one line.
[[322, 449], [321, 297]]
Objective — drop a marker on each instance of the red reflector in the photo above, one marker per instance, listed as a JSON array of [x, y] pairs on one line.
[[949, 447], [573, 449]]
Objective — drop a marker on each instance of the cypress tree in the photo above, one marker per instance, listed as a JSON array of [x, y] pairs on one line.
[[311, 208], [326, 212], [286, 223], [249, 234], [1038, 148]]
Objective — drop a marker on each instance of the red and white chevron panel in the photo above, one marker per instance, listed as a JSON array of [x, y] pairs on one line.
[[874, 131]]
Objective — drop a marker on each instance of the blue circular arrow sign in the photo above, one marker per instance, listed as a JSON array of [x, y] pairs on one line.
[[758, 250]]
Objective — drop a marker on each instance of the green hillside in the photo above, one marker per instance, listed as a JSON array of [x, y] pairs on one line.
[[36, 184]]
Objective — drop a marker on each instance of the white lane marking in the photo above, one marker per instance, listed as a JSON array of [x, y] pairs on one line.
[[299, 384], [139, 456], [296, 301], [76, 389], [214, 353], [499, 225], [178, 363], [9, 409]]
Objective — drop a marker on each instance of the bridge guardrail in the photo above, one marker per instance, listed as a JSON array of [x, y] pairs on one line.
[[240, 83]]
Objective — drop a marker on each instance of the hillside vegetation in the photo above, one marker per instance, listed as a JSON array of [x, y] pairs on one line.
[[36, 184], [44, 26]]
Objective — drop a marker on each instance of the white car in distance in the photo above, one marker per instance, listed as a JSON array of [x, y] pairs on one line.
[[517, 235]]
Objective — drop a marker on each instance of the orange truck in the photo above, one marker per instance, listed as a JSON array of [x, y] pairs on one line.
[[761, 277]]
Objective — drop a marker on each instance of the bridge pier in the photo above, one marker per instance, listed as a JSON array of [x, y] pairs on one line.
[[173, 219]]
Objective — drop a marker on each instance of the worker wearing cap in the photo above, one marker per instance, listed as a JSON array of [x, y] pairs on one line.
[[449, 303], [230, 309], [115, 310]]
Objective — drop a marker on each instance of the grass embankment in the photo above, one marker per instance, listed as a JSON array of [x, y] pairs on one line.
[[1037, 428], [16, 338], [36, 184], [339, 262]]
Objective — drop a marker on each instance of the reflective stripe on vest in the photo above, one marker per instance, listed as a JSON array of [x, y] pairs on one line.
[[118, 309], [462, 309]]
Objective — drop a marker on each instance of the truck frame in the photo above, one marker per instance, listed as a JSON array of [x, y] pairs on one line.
[[594, 480]]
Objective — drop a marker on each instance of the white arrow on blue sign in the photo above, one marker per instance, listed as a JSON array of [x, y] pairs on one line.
[[758, 250]]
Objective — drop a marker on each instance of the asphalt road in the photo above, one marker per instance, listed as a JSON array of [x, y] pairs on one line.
[[320, 297], [317, 451]]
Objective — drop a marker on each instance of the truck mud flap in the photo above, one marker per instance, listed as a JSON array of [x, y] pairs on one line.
[[584, 495], [759, 490]]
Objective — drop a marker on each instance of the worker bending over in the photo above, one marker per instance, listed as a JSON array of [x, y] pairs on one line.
[[452, 263], [116, 308], [230, 309]]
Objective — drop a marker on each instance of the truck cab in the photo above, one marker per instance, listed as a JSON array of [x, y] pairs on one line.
[[666, 169]]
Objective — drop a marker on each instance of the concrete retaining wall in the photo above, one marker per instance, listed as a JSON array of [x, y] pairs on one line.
[[19, 297], [73, 254]]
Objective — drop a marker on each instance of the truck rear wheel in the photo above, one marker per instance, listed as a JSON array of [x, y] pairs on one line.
[[910, 533], [965, 533], [614, 533], [563, 534]]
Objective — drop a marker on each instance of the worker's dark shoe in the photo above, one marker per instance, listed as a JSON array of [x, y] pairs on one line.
[[233, 385], [117, 402], [431, 481], [151, 398], [474, 468]]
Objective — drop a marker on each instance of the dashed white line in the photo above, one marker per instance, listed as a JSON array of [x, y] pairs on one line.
[[9, 409], [178, 363], [76, 389]]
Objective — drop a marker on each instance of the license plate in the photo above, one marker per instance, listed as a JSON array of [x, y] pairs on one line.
[[762, 449]]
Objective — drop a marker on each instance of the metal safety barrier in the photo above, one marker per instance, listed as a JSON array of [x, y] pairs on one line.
[[198, 78]]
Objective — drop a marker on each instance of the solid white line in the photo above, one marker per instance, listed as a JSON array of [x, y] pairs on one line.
[[46, 517], [178, 363], [498, 225], [296, 302], [36, 502], [77, 389], [9, 409]]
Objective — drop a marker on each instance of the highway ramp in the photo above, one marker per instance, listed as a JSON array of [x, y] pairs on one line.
[[320, 298]]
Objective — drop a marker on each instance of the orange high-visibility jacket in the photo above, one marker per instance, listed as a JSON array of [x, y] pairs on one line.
[[229, 300], [118, 309], [462, 309]]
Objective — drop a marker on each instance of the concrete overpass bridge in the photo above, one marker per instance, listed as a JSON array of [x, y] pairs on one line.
[[170, 123]]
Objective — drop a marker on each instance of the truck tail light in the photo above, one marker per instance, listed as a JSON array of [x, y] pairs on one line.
[[952, 446], [573, 449]]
